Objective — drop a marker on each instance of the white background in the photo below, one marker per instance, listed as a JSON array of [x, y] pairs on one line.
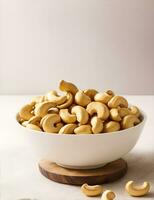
[[94, 43]]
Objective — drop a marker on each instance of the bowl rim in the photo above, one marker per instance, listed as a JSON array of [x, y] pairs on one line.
[[84, 134]]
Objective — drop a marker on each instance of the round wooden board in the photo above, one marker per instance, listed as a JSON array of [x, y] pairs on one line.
[[108, 173]]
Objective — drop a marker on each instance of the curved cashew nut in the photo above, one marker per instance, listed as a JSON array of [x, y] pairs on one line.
[[137, 191], [34, 127], [129, 121], [83, 129], [35, 120], [91, 190], [66, 116], [91, 93], [134, 110], [99, 108], [81, 114], [26, 111], [68, 87], [108, 195], [82, 99], [53, 97], [123, 111], [68, 102], [117, 101], [104, 97], [68, 129], [51, 123], [42, 108], [114, 114], [111, 126], [53, 111], [38, 99], [97, 124]]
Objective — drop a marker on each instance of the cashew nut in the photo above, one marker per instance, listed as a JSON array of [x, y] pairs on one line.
[[99, 108], [111, 126], [129, 121], [35, 120], [53, 111], [82, 99], [134, 110], [108, 195], [104, 97], [91, 93], [38, 99], [137, 191], [68, 102], [66, 116], [123, 111], [26, 111], [68, 87], [91, 190], [42, 108], [117, 101], [114, 114], [68, 129], [97, 124], [81, 114], [53, 97], [34, 127], [83, 129], [25, 123], [51, 123]]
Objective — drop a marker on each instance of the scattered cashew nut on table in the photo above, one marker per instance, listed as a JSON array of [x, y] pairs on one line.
[[137, 191], [108, 195], [91, 191]]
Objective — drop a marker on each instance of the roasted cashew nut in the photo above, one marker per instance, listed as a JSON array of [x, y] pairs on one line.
[[91, 93], [97, 125], [117, 101], [33, 127], [43, 108], [68, 129], [52, 123], [68, 102], [53, 97], [111, 126], [53, 111], [26, 111], [25, 123], [99, 108], [137, 191], [81, 114], [68, 87], [104, 97], [38, 99], [123, 111], [35, 120], [114, 114], [91, 190], [108, 195], [82, 99], [129, 121], [83, 129], [66, 116], [134, 110]]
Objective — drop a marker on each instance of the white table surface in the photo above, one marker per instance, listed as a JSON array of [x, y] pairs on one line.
[[19, 175]]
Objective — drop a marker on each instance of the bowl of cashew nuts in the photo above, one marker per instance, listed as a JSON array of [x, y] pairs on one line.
[[81, 128]]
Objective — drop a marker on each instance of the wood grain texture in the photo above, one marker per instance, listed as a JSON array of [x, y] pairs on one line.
[[108, 173]]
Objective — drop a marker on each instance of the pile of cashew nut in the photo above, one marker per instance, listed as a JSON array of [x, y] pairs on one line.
[[78, 112], [130, 187]]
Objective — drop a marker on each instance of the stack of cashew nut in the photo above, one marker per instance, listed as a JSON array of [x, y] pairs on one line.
[[78, 112], [130, 187]]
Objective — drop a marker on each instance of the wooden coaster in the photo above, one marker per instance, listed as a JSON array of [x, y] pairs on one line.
[[108, 173]]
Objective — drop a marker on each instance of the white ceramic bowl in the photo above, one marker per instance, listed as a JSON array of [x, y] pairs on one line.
[[83, 151]]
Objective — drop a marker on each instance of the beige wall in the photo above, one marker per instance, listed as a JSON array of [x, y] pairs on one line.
[[95, 43]]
